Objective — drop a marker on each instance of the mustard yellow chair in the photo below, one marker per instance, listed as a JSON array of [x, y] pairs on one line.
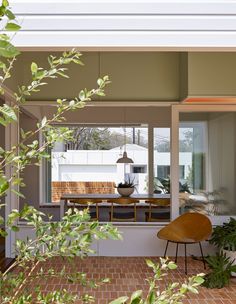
[[159, 210], [119, 211], [93, 205], [188, 228]]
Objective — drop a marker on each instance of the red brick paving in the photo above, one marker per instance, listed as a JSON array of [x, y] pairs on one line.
[[128, 274]]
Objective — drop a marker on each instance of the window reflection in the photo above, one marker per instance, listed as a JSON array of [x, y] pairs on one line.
[[210, 179]]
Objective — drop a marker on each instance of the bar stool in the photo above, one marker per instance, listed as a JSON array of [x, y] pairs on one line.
[[93, 205], [158, 210], [123, 216]]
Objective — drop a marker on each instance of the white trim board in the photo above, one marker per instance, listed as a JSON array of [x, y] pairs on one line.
[[179, 40], [159, 7]]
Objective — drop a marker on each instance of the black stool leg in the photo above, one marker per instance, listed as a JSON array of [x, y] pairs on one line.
[[166, 248], [176, 254], [185, 251], [203, 260]]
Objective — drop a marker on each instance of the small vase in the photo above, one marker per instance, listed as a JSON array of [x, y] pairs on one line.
[[125, 191]]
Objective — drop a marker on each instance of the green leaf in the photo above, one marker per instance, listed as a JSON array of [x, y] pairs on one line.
[[4, 185], [192, 289], [136, 296], [8, 115], [8, 50], [10, 15], [172, 265], [5, 3], [18, 193], [120, 300], [150, 263], [3, 233], [34, 67], [10, 26], [151, 297], [15, 228], [199, 280], [100, 82], [62, 75]]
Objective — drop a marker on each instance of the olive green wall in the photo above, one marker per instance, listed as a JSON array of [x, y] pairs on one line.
[[183, 76], [211, 74], [141, 76], [138, 76], [144, 76]]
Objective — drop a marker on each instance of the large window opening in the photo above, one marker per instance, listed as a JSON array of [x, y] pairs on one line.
[[88, 164], [211, 175]]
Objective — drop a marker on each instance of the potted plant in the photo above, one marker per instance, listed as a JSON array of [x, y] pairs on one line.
[[224, 237], [221, 269], [126, 188]]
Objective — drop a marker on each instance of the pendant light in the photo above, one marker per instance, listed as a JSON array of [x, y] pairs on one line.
[[124, 159]]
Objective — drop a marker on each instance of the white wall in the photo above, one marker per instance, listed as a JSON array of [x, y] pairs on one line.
[[137, 241], [95, 165], [91, 165]]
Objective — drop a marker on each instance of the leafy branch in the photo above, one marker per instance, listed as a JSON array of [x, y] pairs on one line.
[[173, 293]]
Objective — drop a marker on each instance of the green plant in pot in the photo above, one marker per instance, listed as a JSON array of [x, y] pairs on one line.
[[126, 188], [224, 237], [221, 268]]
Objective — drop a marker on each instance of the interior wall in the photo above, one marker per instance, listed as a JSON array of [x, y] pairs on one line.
[[31, 172]]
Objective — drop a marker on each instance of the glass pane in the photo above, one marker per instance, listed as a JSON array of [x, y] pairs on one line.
[[89, 165], [161, 170], [161, 160], [207, 151]]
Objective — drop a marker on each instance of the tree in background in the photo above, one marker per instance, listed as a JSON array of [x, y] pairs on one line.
[[162, 144], [87, 138]]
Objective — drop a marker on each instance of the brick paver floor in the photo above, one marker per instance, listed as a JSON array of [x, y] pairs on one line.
[[128, 274]]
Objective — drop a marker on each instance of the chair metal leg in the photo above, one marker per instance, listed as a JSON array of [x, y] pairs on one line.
[[185, 253], [166, 248], [176, 254], [203, 260]]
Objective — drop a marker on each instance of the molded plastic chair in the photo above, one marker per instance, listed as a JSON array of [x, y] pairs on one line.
[[158, 210], [85, 203], [188, 228], [123, 215]]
